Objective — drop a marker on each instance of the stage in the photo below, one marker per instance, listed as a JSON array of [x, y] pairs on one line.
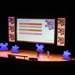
[[32, 54]]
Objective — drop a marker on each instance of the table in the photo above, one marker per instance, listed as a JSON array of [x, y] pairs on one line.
[[17, 55]]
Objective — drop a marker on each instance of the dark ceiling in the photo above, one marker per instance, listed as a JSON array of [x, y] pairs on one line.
[[38, 9]]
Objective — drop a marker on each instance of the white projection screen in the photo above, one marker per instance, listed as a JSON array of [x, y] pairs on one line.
[[36, 30]]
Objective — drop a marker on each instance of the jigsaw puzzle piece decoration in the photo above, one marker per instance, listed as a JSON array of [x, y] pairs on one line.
[[3, 46], [66, 54], [15, 49], [41, 46]]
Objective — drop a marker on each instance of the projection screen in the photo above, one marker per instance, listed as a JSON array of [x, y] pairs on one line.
[[36, 30]]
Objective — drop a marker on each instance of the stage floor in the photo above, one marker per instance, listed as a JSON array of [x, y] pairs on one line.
[[32, 54]]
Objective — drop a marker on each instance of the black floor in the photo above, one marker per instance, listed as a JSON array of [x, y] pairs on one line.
[[35, 67]]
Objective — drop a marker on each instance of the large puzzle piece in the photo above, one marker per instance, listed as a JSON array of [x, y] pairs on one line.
[[66, 55], [4, 47], [14, 49], [41, 46]]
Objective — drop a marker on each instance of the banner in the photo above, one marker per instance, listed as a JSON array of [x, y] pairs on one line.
[[11, 29], [61, 32]]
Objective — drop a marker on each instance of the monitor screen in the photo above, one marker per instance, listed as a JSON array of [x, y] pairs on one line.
[[36, 30]]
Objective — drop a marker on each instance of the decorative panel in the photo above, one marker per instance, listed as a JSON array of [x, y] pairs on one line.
[[61, 32], [11, 29]]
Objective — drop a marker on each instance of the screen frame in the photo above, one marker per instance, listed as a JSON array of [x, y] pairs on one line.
[[33, 41]]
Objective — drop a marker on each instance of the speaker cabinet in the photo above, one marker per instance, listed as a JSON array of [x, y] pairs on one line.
[[33, 59], [11, 56]]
